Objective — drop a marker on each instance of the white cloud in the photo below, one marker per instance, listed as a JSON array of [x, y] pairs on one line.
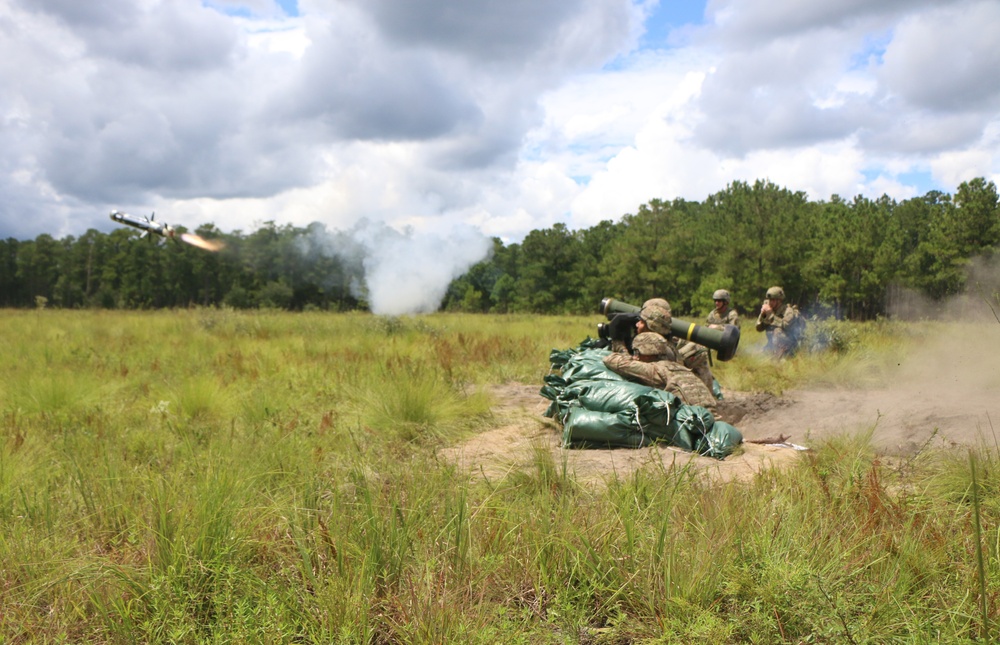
[[947, 59], [799, 95], [504, 116], [952, 168]]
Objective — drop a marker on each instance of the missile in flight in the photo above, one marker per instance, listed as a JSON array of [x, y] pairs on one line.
[[145, 224], [149, 225]]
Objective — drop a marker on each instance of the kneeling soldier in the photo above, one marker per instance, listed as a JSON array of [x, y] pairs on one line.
[[650, 367]]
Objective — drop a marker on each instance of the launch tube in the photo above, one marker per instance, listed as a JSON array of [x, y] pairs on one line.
[[723, 341]]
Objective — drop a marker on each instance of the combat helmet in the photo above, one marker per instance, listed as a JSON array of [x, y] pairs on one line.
[[775, 292], [658, 302], [657, 318], [721, 294], [650, 344]]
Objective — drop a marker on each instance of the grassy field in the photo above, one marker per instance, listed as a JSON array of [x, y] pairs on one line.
[[209, 476]]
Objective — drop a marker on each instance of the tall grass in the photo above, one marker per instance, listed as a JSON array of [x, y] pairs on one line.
[[216, 476]]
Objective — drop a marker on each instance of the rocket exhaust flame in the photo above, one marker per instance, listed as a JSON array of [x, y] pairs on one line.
[[202, 243]]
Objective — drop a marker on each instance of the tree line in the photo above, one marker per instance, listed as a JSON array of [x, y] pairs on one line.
[[847, 258]]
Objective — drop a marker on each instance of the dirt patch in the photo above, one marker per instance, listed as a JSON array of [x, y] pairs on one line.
[[946, 393], [527, 435]]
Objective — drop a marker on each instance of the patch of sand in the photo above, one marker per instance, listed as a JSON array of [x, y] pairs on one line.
[[515, 445]]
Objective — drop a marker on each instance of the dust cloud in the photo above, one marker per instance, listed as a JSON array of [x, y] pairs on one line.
[[944, 391]]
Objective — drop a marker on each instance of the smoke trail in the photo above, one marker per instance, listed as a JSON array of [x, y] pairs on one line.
[[404, 272]]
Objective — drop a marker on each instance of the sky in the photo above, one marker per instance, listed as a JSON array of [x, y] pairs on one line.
[[488, 117]]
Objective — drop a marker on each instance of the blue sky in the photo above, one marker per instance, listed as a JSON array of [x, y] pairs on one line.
[[502, 117], [290, 7], [667, 16]]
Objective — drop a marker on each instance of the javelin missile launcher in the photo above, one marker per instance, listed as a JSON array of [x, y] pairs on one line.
[[724, 341]]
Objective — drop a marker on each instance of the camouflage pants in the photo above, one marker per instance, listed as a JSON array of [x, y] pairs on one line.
[[780, 344]]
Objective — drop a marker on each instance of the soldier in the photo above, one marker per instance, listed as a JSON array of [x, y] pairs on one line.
[[651, 367], [782, 323], [653, 317], [693, 355], [723, 314]]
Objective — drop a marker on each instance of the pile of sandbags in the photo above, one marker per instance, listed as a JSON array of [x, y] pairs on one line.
[[599, 409]]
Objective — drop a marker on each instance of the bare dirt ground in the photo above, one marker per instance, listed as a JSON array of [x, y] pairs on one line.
[[945, 393]]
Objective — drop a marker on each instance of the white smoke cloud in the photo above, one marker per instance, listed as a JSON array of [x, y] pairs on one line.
[[405, 272]]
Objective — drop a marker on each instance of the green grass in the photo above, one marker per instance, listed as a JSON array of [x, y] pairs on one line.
[[215, 476]]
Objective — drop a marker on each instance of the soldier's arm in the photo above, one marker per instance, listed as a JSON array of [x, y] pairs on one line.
[[628, 367], [619, 347], [616, 361], [785, 320]]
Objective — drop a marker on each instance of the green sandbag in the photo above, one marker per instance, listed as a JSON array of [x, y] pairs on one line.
[[682, 439], [605, 396], [588, 365], [692, 422], [695, 418], [559, 357], [720, 441], [584, 370], [553, 390], [652, 409], [656, 414], [600, 409], [589, 429]]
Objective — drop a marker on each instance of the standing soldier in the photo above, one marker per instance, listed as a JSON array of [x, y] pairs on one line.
[[782, 323], [723, 314]]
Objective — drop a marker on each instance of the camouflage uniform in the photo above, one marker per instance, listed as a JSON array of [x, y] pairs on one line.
[[783, 327], [663, 374], [730, 317], [656, 314], [695, 358], [693, 355]]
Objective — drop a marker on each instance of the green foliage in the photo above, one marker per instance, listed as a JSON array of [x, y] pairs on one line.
[[853, 259], [276, 295], [214, 475]]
